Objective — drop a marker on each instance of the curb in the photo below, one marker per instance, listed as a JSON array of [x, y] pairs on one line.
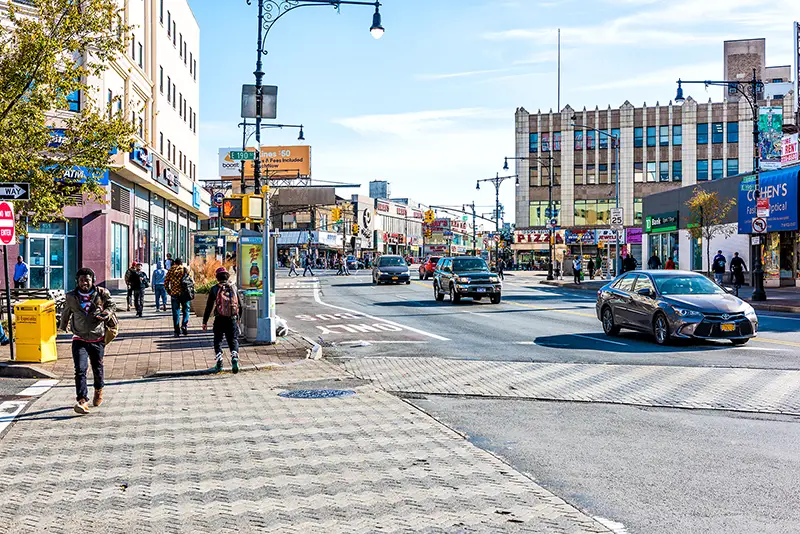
[[315, 352], [22, 370], [582, 287], [774, 307]]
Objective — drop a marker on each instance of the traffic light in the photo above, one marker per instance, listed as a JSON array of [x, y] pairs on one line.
[[243, 208], [429, 216], [233, 208], [336, 214], [354, 228]]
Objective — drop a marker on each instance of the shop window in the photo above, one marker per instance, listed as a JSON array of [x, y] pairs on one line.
[[733, 167], [651, 136], [716, 132], [651, 171], [638, 137], [663, 135], [733, 132], [534, 142], [702, 134], [119, 250], [663, 171], [716, 169], [677, 171], [702, 170], [677, 135], [638, 172]]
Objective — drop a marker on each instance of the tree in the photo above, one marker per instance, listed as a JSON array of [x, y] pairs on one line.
[[48, 53], [707, 213]]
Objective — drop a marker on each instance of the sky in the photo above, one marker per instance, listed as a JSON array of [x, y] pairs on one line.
[[430, 106]]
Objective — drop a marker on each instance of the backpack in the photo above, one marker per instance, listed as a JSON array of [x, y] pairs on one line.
[[226, 302], [187, 288]]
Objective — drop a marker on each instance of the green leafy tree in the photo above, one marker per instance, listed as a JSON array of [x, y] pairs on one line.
[[49, 51], [707, 213]]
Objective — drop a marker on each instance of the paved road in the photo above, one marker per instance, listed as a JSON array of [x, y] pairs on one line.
[[655, 471]]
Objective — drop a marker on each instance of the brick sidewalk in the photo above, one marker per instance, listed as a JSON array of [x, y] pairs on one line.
[[148, 345]]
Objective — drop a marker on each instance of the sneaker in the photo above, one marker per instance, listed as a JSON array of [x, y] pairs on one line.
[[218, 366], [81, 407], [235, 362], [185, 330], [177, 332], [98, 397]]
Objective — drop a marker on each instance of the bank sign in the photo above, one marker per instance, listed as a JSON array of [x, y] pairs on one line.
[[664, 222], [780, 187]]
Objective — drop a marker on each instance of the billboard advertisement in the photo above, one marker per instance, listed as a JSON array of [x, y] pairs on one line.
[[770, 136], [789, 150], [780, 187], [284, 161]]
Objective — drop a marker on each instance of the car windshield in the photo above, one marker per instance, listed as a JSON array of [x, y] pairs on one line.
[[686, 285], [469, 264], [391, 261]]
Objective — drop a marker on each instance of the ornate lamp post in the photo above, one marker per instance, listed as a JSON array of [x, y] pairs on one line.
[[496, 181]]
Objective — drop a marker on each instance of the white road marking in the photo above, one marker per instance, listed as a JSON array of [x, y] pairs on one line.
[[613, 526], [411, 329], [8, 411], [600, 339], [524, 343], [478, 313], [761, 349], [39, 388]]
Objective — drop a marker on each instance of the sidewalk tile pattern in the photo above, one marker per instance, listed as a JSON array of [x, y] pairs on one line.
[[751, 390], [226, 454]]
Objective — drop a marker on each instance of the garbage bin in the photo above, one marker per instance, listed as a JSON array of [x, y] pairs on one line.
[[35, 331]]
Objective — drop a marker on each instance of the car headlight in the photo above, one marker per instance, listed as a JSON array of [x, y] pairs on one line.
[[462, 280], [494, 279], [750, 313], [681, 312]]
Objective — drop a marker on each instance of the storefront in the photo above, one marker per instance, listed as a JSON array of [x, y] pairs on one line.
[[581, 242], [662, 237], [532, 248]]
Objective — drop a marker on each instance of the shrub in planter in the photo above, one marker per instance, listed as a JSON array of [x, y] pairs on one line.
[[201, 297]]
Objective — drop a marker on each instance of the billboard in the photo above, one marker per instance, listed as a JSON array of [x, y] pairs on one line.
[[284, 161], [770, 137], [780, 187]]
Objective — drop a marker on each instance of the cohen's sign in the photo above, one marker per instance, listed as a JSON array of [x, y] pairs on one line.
[[780, 187]]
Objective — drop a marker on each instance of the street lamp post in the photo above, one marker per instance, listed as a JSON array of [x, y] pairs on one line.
[[755, 86], [496, 181], [269, 12], [551, 212], [615, 141]]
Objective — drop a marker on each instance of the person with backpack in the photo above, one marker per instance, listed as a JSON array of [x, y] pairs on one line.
[[89, 314], [738, 268], [180, 286], [718, 267], [223, 299]]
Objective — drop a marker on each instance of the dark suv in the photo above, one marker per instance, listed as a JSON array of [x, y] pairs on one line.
[[465, 276]]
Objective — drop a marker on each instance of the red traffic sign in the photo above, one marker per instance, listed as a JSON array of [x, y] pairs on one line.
[[8, 234], [759, 225], [496, 238]]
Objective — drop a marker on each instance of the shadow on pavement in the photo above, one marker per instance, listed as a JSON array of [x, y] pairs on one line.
[[627, 342]]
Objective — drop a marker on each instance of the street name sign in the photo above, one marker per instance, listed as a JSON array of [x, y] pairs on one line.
[[15, 191], [759, 225], [617, 219], [8, 234], [242, 155]]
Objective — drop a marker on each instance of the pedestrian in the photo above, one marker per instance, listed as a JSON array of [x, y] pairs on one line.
[[654, 262], [129, 274], [718, 267], [21, 273], [159, 278], [180, 287], [293, 266], [670, 264], [591, 268], [500, 268], [576, 270], [307, 268], [738, 268], [86, 310], [630, 263], [223, 299], [168, 262], [136, 289]]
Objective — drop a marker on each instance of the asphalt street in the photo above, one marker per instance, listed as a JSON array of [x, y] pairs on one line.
[[533, 323]]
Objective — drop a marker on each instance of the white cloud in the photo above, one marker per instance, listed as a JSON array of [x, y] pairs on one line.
[[465, 74], [410, 125], [661, 77]]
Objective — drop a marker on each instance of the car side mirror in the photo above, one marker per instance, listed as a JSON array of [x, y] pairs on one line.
[[645, 292]]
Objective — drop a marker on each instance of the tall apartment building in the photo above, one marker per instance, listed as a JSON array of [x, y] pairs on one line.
[[662, 147], [154, 202]]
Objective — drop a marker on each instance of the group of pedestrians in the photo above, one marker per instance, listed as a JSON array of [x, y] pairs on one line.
[[307, 263]]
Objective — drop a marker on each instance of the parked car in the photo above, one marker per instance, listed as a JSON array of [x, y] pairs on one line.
[[354, 263], [674, 305], [465, 276], [427, 268], [391, 269]]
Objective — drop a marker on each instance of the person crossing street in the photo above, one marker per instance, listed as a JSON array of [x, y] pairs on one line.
[[293, 267], [307, 268]]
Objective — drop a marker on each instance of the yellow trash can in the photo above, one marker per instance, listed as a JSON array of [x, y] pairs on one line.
[[35, 331]]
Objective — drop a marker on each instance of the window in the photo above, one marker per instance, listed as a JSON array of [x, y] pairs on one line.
[[161, 79], [590, 135], [190, 118], [777, 80], [603, 139], [638, 172], [702, 133], [591, 176], [169, 89], [110, 103], [733, 132], [578, 173], [733, 167], [141, 55], [169, 23], [161, 11], [716, 169], [638, 137], [644, 282], [651, 171], [626, 283], [141, 127], [579, 140], [169, 149], [161, 142], [174, 33], [119, 250], [180, 160], [133, 46], [663, 135], [180, 49], [195, 70], [538, 210], [191, 62], [592, 212], [74, 101], [677, 171], [716, 132], [651, 136], [556, 141], [534, 142], [637, 211], [174, 96], [545, 142], [663, 171], [677, 135], [180, 104], [194, 128], [702, 170]]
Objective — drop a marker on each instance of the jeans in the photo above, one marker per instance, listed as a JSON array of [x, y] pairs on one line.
[[308, 269], [293, 269], [161, 296], [179, 307], [229, 328], [19, 285], [138, 300], [83, 353], [718, 277], [577, 276], [130, 297]]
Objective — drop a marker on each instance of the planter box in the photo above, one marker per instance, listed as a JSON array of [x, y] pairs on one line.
[[199, 304]]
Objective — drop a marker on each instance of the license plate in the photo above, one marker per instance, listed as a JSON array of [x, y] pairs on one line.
[[728, 327], [481, 290], [394, 278]]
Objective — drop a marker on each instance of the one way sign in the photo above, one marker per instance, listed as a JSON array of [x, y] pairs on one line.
[[15, 191]]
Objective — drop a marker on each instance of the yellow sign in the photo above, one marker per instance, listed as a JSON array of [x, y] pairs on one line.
[[281, 161]]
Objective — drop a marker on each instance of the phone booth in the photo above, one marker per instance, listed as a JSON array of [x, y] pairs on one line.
[[250, 279]]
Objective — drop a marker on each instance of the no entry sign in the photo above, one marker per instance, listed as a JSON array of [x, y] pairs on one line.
[[8, 234]]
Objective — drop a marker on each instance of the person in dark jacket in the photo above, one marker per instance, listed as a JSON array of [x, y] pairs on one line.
[[223, 299], [738, 268], [630, 263], [718, 267], [137, 282], [654, 263]]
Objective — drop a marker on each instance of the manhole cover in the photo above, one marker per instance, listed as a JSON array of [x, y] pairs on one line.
[[316, 393]]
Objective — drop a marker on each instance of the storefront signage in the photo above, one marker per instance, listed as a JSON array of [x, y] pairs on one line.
[[80, 175], [578, 237], [417, 214], [383, 207], [401, 210], [367, 227], [196, 196], [436, 249], [535, 236], [770, 135], [633, 236], [609, 236], [58, 136], [168, 179], [141, 156], [780, 187], [789, 149], [440, 224], [665, 222]]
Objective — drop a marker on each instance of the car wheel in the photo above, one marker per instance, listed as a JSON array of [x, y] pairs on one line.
[[609, 327], [661, 329], [455, 298], [408, 282], [495, 299], [436, 293], [739, 341]]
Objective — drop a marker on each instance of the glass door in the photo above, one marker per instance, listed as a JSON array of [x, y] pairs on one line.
[[46, 260], [37, 256], [55, 254]]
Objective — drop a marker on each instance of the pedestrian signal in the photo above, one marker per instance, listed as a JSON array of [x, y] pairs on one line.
[[233, 208]]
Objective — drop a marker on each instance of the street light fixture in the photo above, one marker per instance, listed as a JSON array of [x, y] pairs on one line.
[[376, 30], [497, 180], [749, 90]]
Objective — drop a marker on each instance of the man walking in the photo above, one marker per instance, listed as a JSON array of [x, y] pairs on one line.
[[180, 287], [718, 267], [136, 283], [500, 268], [738, 268], [21, 272], [293, 267], [168, 262], [591, 268], [86, 310], [223, 299], [307, 268], [159, 279], [576, 270], [654, 263]]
